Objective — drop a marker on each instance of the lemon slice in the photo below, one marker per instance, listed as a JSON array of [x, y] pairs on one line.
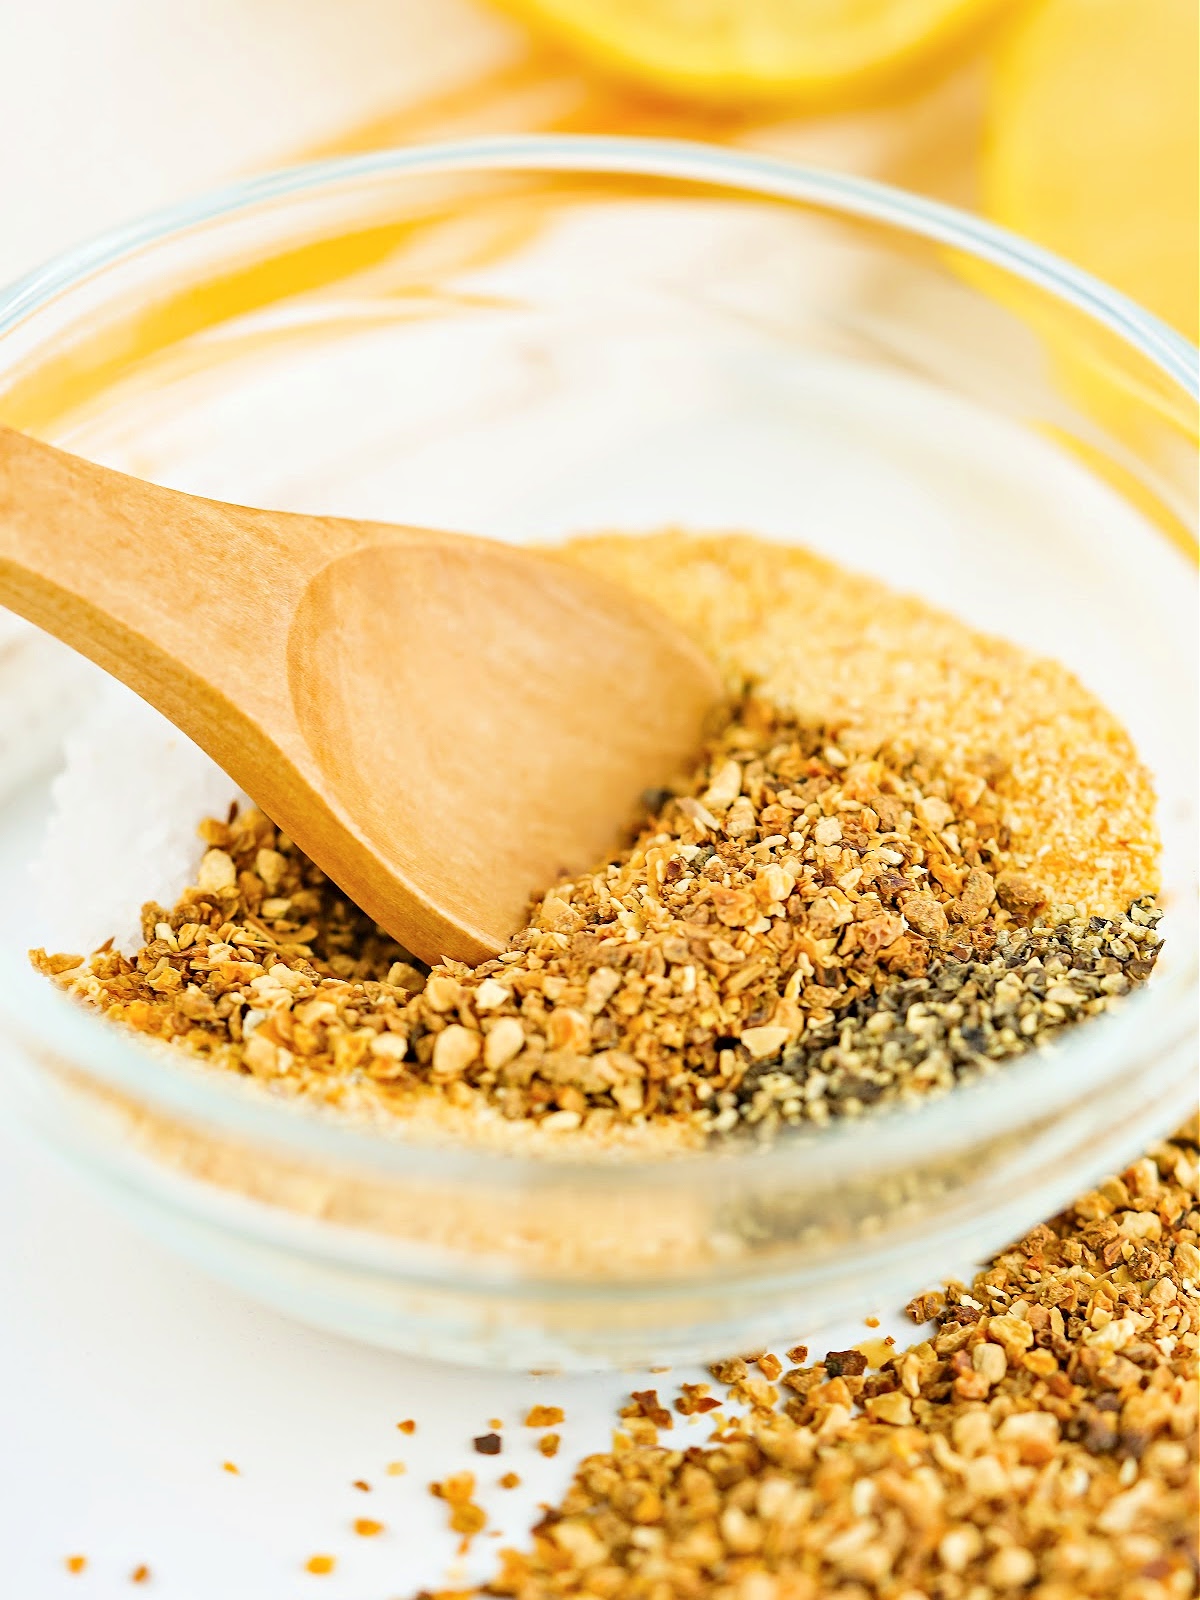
[[737, 51], [1092, 148]]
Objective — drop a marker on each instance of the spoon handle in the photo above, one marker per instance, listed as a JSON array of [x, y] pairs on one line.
[[149, 583]]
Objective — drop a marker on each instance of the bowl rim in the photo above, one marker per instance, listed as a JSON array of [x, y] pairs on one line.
[[687, 160], [1152, 1025]]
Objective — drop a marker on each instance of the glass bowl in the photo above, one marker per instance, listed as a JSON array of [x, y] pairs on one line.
[[530, 337]]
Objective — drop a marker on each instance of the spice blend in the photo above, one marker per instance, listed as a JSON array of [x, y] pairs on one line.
[[908, 852], [1042, 1441]]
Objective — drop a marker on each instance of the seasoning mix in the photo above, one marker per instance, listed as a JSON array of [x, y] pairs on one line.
[[1041, 1440], [907, 852]]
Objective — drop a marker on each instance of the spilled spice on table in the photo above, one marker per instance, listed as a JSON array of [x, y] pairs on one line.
[[1041, 1440]]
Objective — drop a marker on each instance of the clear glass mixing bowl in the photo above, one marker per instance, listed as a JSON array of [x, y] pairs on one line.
[[531, 337]]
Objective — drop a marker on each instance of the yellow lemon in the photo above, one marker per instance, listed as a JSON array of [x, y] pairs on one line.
[[742, 51], [1092, 144]]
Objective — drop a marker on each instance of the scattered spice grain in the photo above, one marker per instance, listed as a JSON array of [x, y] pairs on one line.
[[645, 1403], [75, 1564], [228, 1466], [319, 1566], [140, 1574], [510, 1480], [367, 1527], [408, 1426], [845, 1363], [695, 1399], [458, 1492], [543, 1416], [396, 1469], [488, 1444], [361, 1485], [548, 1444]]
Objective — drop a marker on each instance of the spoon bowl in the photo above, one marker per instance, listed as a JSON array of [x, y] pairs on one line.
[[444, 724]]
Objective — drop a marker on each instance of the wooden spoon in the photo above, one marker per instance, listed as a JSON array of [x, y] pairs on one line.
[[444, 724]]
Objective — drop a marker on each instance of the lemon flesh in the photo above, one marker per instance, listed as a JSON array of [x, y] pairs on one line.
[[746, 51], [1091, 147]]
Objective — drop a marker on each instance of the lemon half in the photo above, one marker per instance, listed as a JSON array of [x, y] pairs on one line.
[[746, 51], [1092, 143]]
